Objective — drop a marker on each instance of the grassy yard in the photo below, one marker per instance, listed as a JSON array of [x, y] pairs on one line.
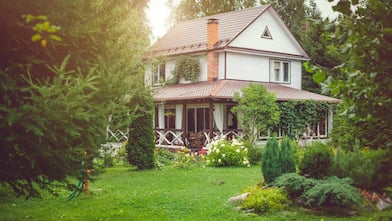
[[168, 194]]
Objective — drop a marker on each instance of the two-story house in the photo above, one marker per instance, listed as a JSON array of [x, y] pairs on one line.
[[233, 49]]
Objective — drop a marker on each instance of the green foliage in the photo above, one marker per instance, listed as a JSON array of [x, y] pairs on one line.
[[141, 142], [294, 184], [187, 67], [333, 193], [56, 95], [228, 153], [257, 110], [264, 200], [270, 163], [317, 160], [364, 82], [287, 161], [295, 116], [345, 133], [255, 153], [363, 167], [163, 157]]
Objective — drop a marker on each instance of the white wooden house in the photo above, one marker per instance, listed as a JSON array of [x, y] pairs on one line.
[[234, 49]]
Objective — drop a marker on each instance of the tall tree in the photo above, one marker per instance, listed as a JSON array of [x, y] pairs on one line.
[[363, 37], [190, 9], [257, 110], [66, 65]]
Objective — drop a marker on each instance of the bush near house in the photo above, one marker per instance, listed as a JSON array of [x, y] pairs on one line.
[[264, 200], [277, 160], [317, 160], [228, 153]]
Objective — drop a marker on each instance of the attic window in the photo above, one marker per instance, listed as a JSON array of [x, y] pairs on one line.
[[266, 33]]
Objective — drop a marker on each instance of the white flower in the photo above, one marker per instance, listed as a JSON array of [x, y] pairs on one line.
[[238, 150], [242, 147], [223, 155], [219, 160], [217, 150], [246, 149], [222, 145]]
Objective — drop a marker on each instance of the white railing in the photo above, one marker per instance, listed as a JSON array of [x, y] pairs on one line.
[[172, 138]]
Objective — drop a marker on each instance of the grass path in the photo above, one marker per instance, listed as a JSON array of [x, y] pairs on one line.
[[168, 194]]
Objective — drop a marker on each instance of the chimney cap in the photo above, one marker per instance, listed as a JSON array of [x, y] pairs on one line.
[[212, 20]]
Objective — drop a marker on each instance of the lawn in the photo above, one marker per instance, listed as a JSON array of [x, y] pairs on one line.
[[168, 194]]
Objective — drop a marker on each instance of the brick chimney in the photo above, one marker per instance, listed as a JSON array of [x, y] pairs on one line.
[[212, 56]]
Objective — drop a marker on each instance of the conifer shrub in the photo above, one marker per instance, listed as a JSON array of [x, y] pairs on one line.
[[317, 161], [270, 165], [265, 200], [287, 161], [333, 193], [294, 184], [141, 142]]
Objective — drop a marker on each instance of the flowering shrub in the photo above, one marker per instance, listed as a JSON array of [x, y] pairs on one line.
[[227, 153]]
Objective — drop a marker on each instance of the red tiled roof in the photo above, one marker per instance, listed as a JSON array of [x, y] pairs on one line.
[[225, 89], [191, 36]]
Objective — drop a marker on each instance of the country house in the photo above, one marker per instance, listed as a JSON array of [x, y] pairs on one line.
[[233, 49]]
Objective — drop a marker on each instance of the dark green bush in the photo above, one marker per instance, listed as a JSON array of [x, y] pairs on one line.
[[287, 161], [356, 165], [141, 143], [294, 184], [333, 193], [265, 200], [270, 165], [317, 160]]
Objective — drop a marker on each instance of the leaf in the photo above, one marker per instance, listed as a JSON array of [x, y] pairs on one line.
[[319, 77], [36, 37], [343, 6], [55, 37]]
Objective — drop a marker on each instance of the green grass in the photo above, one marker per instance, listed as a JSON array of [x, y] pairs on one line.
[[168, 194]]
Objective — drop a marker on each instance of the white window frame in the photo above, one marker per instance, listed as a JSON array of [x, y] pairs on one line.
[[157, 78], [277, 71]]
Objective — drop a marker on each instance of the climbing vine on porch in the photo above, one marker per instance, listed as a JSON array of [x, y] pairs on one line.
[[187, 67], [295, 116]]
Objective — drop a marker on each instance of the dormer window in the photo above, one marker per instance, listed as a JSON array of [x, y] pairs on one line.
[[158, 73], [280, 71], [266, 33]]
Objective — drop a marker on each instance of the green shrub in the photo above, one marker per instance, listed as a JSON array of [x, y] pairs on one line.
[[184, 159], [294, 184], [298, 152], [163, 157], [141, 143], [254, 153], [270, 166], [227, 153], [317, 160], [265, 200], [287, 162], [333, 193], [356, 165]]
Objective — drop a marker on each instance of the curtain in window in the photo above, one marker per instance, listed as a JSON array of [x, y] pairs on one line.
[[218, 117], [179, 116], [161, 116]]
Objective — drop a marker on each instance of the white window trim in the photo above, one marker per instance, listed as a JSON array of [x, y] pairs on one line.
[[281, 74], [157, 67]]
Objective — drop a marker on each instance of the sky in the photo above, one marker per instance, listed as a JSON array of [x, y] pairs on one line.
[[158, 14]]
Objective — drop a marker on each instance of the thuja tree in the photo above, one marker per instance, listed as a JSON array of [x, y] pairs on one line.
[[287, 162], [270, 165], [257, 110], [296, 116], [141, 142], [59, 84]]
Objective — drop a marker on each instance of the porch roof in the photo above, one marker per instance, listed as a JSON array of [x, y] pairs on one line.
[[225, 89]]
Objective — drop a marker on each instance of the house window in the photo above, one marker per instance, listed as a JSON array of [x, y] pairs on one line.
[[198, 119], [158, 73], [266, 33], [280, 71]]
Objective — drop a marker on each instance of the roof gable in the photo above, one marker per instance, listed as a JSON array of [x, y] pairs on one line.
[[283, 41], [191, 36]]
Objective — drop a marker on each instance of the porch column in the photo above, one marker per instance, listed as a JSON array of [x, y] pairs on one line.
[[211, 121], [330, 121], [183, 127], [161, 116]]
